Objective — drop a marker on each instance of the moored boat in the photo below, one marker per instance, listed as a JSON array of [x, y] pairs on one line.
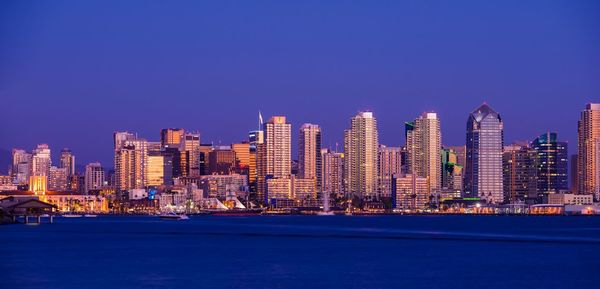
[[173, 216]]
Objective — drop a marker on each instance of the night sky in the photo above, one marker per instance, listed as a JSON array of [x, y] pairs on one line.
[[73, 72]]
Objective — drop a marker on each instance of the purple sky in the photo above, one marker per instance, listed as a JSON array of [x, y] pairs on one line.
[[72, 72]]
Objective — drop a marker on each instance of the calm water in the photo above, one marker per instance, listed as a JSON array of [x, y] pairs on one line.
[[303, 252]]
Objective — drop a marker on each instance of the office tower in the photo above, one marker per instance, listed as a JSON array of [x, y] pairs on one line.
[[192, 146], [67, 161], [57, 179], [120, 137], [483, 167], [390, 164], [205, 149], [131, 159], [21, 166], [588, 142], [452, 172], [274, 155], [222, 161], [551, 163], [519, 174], [41, 161], [242, 157], [361, 143], [255, 138], [172, 137], [94, 177], [333, 172], [309, 154], [179, 161], [157, 168], [303, 189], [423, 145], [410, 192]]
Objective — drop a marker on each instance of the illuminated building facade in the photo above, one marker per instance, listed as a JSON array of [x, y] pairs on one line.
[[274, 155], [21, 166], [423, 146], [333, 172], [588, 141], [390, 164], [484, 143], [67, 161], [361, 143], [130, 164], [309, 154], [94, 177], [222, 161], [192, 146], [551, 163], [410, 192], [57, 179], [172, 137], [519, 173], [41, 161]]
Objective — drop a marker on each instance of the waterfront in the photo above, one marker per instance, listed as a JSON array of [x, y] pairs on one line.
[[303, 252]]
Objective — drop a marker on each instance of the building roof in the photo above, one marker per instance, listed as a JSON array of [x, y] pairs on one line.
[[483, 111]]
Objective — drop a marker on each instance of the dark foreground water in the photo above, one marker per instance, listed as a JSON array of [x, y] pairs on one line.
[[303, 252]]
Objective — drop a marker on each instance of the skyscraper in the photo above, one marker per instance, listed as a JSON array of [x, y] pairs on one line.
[[551, 163], [588, 169], [67, 161], [172, 137], [333, 172], [423, 145], [94, 177], [452, 172], [519, 174], [484, 142], [309, 154], [390, 164], [21, 166], [361, 143], [274, 155], [192, 146], [57, 179], [242, 157], [41, 161], [130, 162]]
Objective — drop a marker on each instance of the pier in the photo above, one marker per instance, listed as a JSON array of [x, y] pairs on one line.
[[31, 210]]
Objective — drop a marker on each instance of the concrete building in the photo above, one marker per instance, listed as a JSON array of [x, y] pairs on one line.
[[94, 177], [333, 172], [21, 166], [222, 161], [173, 137], [410, 192], [192, 146], [309, 154], [131, 160], [390, 164], [484, 143], [41, 161], [361, 143], [452, 172], [588, 170], [57, 179], [67, 161], [519, 174], [423, 146], [274, 155], [242, 157]]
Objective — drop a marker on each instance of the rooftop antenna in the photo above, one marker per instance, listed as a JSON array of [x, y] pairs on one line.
[[260, 120]]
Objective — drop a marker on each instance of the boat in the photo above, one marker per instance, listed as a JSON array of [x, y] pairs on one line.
[[90, 216], [70, 215], [173, 216]]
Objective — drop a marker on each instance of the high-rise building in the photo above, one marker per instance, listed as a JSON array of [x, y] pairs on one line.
[[57, 179], [333, 172], [309, 154], [21, 166], [461, 154], [483, 167], [423, 145], [41, 161], [222, 161], [172, 137], [519, 174], [361, 143], [390, 164], [156, 169], [452, 172], [130, 163], [205, 149], [192, 146], [94, 177], [573, 174], [588, 169], [255, 138], [242, 157], [551, 163], [274, 155], [67, 161]]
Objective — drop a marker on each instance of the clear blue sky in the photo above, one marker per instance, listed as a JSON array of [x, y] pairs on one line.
[[72, 72]]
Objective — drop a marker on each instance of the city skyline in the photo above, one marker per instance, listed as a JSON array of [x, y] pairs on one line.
[[80, 75]]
